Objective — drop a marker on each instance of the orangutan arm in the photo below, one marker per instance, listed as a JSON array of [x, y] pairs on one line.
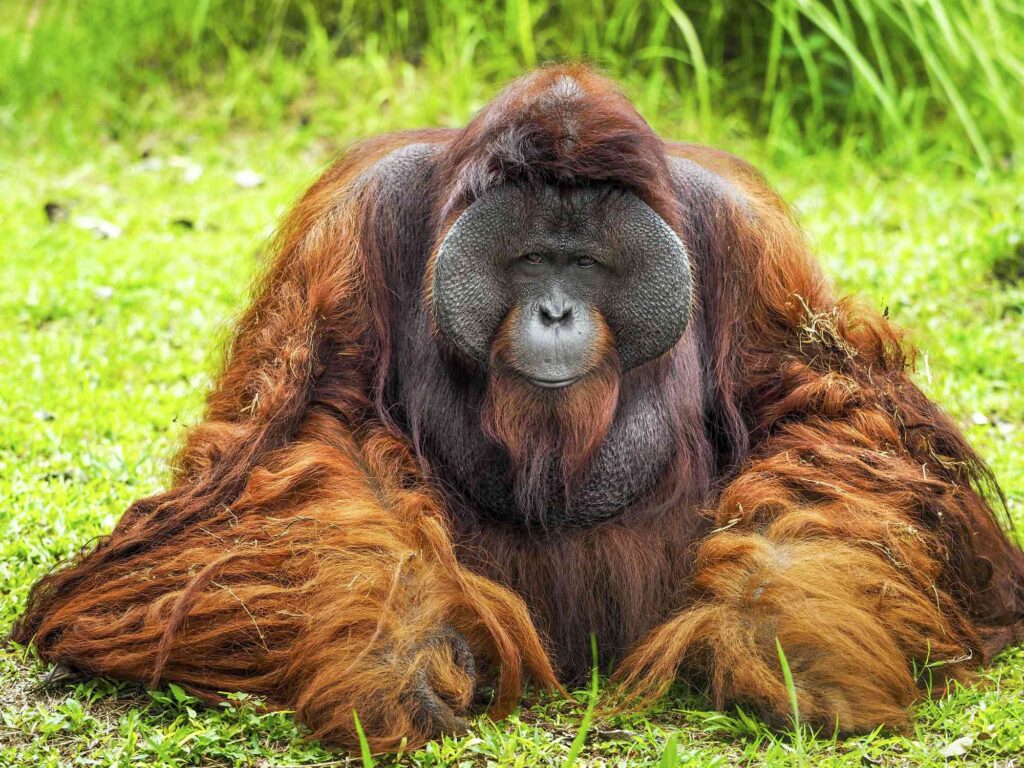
[[299, 555], [877, 576], [854, 529]]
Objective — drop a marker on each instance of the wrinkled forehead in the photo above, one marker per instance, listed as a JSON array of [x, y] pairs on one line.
[[562, 217], [567, 205]]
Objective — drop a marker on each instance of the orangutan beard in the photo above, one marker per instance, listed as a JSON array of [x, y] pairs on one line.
[[550, 434]]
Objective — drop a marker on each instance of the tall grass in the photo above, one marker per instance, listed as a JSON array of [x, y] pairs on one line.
[[892, 74]]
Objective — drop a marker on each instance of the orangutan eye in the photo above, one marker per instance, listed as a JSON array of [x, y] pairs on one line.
[[585, 261], [533, 258]]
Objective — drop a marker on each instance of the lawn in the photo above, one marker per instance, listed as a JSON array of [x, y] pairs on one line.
[[132, 225]]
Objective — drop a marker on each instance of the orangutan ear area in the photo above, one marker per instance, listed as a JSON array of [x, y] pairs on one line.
[[381, 513]]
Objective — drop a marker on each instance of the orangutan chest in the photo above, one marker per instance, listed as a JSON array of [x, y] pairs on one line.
[[536, 494]]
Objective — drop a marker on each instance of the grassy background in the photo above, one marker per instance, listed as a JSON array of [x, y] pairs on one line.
[[895, 127], [904, 75]]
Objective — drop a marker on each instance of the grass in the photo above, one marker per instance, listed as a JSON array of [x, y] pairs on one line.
[[893, 125], [906, 76], [787, 676], [576, 748]]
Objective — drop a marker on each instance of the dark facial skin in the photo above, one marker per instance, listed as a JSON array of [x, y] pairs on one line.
[[547, 261], [554, 332]]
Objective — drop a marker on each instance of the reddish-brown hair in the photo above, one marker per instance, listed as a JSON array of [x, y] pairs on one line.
[[537, 428]]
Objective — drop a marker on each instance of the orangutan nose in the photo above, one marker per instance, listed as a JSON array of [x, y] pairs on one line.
[[556, 310]]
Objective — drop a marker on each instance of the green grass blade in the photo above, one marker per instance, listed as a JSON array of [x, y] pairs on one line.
[[588, 716], [819, 14], [670, 756], [364, 745], [794, 705], [697, 61], [524, 28]]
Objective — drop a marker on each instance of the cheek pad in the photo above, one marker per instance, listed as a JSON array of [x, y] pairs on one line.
[[470, 293], [650, 307], [469, 303], [647, 311]]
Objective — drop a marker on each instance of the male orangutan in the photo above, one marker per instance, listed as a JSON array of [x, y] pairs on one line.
[[546, 376]]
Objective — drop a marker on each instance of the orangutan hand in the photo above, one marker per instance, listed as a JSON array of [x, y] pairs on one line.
[[443, 684]]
